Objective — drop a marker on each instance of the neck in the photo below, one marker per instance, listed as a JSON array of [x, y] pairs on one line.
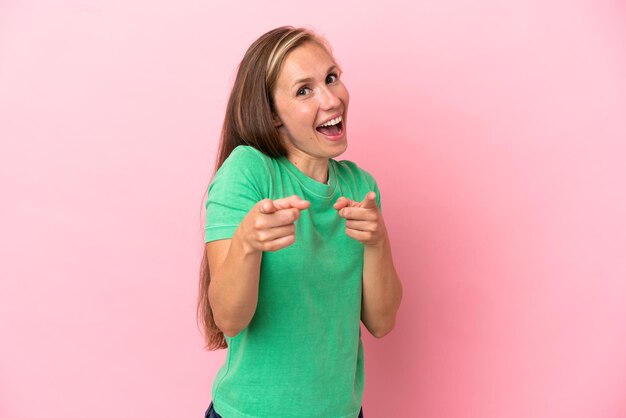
[[316, 168]]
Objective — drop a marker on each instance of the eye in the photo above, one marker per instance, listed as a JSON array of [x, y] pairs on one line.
[[303, 91], [331, 78]]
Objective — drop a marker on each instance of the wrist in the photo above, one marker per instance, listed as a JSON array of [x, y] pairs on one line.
[[377, 246], [244, 246]]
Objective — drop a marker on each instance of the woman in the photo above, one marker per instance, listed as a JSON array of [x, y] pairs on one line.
[[297, 253]]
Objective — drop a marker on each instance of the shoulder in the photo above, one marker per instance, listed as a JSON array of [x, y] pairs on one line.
[[349, 173], [246, 167], [245, 156], [245, 161], [349, 170]]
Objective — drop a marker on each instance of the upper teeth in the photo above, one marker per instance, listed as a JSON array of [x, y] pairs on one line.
[[332, 121]]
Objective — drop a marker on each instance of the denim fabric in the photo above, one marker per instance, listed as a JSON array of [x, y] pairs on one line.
[[210, 413]]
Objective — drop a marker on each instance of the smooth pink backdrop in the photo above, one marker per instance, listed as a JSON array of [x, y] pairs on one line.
[[496, 131]]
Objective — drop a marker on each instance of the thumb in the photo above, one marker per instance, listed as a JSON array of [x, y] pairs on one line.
[[370, 201], [267, 206], [341, 203], [291, 202]]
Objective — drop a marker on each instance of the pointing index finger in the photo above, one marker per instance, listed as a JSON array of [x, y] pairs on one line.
[[370, 201], [291, 202]]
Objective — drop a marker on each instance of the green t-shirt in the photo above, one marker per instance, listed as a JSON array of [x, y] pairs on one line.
[[301, 355]]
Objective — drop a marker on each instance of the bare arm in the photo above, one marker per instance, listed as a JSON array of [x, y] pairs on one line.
[[382, 290], [235, 263], [233, 291]]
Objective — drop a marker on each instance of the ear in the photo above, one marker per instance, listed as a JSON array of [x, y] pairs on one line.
[[277, 122]]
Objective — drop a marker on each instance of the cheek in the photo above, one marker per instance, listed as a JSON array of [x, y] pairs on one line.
[[298, 122], [345, 95], [298, 116], [304, 116]]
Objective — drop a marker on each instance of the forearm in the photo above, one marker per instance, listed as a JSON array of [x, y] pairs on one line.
[[382, 290], [233, 291]]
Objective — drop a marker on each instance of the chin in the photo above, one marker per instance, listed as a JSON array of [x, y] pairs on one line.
[[340, 150]]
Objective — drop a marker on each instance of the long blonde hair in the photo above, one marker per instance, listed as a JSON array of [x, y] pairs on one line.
[[249, 121]]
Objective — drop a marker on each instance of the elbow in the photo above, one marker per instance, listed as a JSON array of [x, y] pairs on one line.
[[230, 325], [231, 332], [380, 333], [229, 329], [382, 321], [230, 322], [382, 329], [226, 323]]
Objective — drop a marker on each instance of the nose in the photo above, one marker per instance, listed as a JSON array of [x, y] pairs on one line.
[[328, 99]]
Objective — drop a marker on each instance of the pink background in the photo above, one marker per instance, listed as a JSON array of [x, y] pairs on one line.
[[496, 131]]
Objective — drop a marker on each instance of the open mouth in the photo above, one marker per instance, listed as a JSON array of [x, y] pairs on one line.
[[331, 128]]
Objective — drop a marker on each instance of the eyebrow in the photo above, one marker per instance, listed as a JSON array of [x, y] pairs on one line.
[[309, 79]]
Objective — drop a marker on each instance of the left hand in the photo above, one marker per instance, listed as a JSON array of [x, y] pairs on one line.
[[364, 221]]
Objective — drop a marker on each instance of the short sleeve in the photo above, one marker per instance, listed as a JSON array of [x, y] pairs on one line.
[[236, 188]]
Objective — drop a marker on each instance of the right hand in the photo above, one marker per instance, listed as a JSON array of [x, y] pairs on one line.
[[269, 226]]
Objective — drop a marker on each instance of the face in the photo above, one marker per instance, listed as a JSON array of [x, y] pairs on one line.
[[309, 94]]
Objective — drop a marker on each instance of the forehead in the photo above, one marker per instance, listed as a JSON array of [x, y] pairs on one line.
[[307, 60]]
